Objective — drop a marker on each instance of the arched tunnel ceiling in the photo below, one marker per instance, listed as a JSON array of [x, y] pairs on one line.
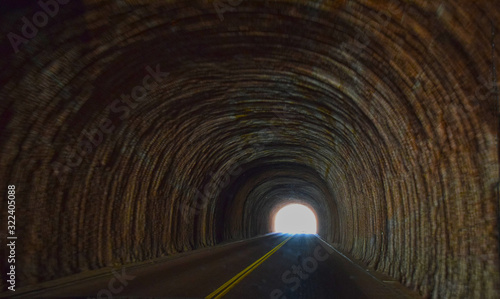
[[380, 116]]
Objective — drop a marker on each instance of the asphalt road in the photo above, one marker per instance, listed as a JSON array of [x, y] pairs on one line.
[[271, 266]]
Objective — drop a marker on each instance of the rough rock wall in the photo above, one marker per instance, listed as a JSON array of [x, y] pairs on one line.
[[382, 117]]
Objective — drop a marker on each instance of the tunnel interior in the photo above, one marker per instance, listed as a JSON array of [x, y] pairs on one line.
[[140, 129]]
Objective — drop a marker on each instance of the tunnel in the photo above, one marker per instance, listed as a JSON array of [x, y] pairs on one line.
[[138, 130]]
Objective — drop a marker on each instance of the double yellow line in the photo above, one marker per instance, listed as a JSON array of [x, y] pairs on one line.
[[223, 289]]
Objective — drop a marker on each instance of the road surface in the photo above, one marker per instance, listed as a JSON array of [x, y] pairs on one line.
[[270, 266]]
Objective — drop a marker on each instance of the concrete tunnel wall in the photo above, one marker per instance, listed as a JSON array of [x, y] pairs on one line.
[[380, 116]]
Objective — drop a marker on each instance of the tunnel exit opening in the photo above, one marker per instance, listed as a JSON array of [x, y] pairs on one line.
[[295, 219]]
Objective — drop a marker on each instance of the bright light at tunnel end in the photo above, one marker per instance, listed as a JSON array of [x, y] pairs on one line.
[[295, 219]]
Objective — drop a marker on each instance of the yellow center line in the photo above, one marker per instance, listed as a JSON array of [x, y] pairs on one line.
[[223, 289]]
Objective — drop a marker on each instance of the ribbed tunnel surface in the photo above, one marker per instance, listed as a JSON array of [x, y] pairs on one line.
[[139, 129]]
